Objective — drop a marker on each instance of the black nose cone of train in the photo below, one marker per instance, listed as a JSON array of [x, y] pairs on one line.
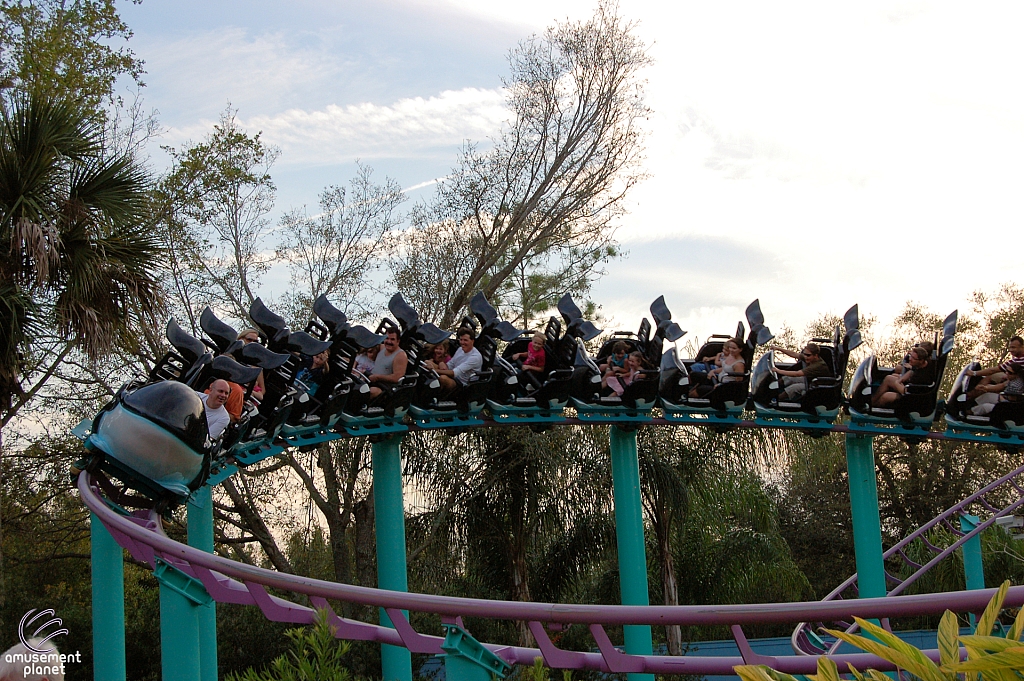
[[174, 407]]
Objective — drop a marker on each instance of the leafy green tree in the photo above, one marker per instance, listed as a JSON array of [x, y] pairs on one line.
[[693, 479], [66, 49], [511, 514], [1002, 315], [215, 203]]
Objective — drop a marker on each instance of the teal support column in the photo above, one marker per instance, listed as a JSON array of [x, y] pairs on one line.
[[389, 524], [107, 605], [867, 528], [179, 637], [629, 536], [974, 569], [200, 536], [182, 598]]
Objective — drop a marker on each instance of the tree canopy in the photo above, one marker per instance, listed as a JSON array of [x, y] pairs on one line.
[[533, 216]]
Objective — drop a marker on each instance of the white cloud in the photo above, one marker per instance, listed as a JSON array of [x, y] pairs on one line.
[[408, 128], [201, 72]]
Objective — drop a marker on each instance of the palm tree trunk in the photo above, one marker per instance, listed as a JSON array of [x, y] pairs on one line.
[[670, 592], [521, 592], [669, 586]]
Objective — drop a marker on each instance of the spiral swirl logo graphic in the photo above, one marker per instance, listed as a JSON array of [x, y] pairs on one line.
[[27, 621]]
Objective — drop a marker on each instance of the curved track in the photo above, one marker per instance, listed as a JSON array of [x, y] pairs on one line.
[[1009, 485], [231, 582]]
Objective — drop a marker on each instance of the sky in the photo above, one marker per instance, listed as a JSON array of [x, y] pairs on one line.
[[812, 155]]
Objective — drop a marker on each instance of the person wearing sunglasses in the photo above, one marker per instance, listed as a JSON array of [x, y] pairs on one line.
[[810, 366]]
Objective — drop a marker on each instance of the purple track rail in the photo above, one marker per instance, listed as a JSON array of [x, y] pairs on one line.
[[802, 641], [232, 582]]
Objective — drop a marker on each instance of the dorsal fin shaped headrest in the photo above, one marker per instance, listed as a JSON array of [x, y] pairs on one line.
[[257, 355], [227, 368], [264, 318], [851, 320], [949, 332], [220, 333], [660, 311], [753, 314], [363, 337], [431, 334], [407, 317], [507, 332], [187, 345], [331, 316], [300, 341], [669, 330], [483, 310], [569, 310]]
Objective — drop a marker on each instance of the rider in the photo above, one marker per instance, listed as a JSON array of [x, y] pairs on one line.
[[811, 366], [217, 417], [467, 360], [1001, 373], [1010, 390], [390, 365], [921, 372]]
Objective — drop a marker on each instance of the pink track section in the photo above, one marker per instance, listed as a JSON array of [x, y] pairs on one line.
[[232, 582]]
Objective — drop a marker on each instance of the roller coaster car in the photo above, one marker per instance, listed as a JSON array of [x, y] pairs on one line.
[[1006, 419], [347, 343], [642, 393], [413, 337], [917, 407], [824, 395], [469, 399], [324, 404], [153, 436], [514, 398], [725, 399], [186, 352], [263, 421]]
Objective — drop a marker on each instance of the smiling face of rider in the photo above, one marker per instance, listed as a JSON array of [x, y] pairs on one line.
[[219, 392], [440, 352]]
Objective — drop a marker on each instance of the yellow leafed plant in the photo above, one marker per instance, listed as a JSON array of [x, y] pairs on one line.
[[993, 657]]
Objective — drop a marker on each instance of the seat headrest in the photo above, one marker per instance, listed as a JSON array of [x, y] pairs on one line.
[[227, 368], [333, 318], [187, 345], [220, 333], [257, 355], [407, 317]]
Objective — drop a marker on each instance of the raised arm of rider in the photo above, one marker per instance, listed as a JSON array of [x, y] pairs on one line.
[[794, 355]]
